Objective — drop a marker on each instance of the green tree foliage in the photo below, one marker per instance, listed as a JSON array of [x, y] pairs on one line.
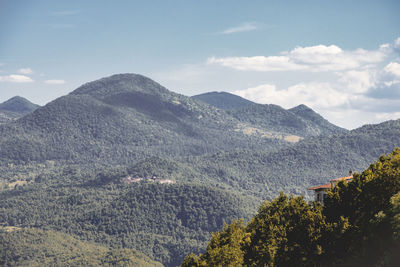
[[358, 226], [224, 249], [286, 232], [369, 204]]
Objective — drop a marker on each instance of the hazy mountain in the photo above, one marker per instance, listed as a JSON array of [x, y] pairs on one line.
[[311, 116], [301, 121], [18, 105], [223, 100], [15, 108]]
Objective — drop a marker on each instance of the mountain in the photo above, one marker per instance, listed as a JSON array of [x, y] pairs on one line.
[[123, 118], [301, 121], [311, 116], [223, 100], [35, 247], [15, 108], [312, 161], [18, 105]]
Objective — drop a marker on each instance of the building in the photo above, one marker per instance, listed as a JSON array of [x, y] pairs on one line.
[[320, 191]]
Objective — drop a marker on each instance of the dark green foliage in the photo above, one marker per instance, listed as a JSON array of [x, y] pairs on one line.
[[359, 226], [35, 247], [223, 100], [224, 249], [286, 232], [370, 204]]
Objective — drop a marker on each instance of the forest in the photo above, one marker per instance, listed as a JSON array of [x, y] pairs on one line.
[[358, 226], [63, 169]]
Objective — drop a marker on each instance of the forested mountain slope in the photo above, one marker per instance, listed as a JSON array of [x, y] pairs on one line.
[[123, 118], [310, 162]]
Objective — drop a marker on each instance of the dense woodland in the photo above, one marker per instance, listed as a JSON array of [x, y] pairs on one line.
[[62, 170], [358, 226]]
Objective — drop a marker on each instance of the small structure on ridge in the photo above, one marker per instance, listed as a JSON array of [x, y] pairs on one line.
[[320, 191]]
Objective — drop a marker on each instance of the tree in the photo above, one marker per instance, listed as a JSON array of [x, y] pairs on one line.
[[366, 203], [286, 232]]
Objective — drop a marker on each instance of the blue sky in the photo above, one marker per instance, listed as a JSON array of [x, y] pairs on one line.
[[341, 58]]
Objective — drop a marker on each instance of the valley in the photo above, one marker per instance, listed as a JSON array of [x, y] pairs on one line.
[[64, 167]]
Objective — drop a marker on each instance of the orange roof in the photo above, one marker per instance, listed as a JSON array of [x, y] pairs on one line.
[[329, 186], [342, 178], [324, 186]]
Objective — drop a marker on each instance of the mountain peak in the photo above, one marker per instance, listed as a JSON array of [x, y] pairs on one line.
[[19, 105], [300, 107], [118, 84]]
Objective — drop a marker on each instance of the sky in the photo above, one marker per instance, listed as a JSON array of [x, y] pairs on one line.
[[341, 58]]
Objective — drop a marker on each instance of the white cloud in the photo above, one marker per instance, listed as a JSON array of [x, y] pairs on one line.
[[15, 78], [320, 95], [25, 71], [245, 27], [393, 68], [319, 58], [357, 82], [257, 63], [397, 43], [348, 87], [54, 82]]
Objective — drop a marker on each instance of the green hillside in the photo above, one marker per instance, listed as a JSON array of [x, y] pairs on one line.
[[310, 162], [35, 247], [163, 221]]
